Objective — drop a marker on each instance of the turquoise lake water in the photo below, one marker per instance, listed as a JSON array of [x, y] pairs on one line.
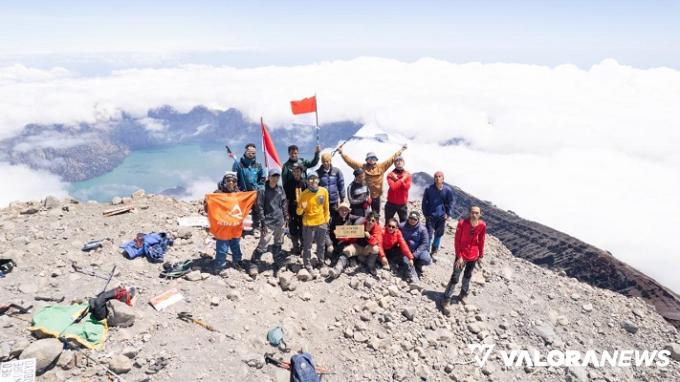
[[192, 166]]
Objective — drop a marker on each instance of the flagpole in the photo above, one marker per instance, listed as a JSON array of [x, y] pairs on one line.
[[316, 112], [264, 151]]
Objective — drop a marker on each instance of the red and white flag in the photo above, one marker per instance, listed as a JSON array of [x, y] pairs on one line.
[[305, 111], [271, 157]]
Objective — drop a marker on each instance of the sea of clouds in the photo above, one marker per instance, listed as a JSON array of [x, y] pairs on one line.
[[592, 152]]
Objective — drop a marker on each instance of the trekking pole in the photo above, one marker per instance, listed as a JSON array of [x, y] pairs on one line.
[[339, 147], [113, 271]]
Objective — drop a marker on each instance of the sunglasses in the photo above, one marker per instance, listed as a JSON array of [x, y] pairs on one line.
[[231, 180]]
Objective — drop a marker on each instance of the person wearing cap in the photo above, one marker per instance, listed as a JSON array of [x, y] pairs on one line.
[[366, 249], [418, 240], [399, 183], [469, 245], [227, 185], [295, 159], [396, 250], [375, 173], [335, 245], [293, 190], [271, 210], [438, 202], [358, 195], [314, 207], [249, 171], [331, 179]]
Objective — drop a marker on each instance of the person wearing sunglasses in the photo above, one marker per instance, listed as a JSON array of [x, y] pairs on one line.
[[271, 210], [367, 249], [469, 245], [227, 185], [416, 236], [313, 206], [396, 250], [438, 202]]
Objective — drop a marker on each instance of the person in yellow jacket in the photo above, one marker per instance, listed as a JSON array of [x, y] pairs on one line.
[[314, 207], [375, 173]]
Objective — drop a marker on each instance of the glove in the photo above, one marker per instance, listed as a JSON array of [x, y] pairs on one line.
[[410, 262]]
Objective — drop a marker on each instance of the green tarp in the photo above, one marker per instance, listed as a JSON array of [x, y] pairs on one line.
[[52, 320]]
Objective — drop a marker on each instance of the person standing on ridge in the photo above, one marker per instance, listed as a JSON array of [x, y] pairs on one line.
[[375, 173], [332, 180], [293, 159], [469, 244], [314, 207], [437, 205], [271, 210], [293, 190], [399, 183], [249, 171], [358, 195]]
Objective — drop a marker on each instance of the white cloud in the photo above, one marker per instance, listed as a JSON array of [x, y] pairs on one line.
[[590, 152], [22, 183]]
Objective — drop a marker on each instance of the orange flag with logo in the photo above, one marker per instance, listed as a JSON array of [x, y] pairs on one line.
[[226, 213]]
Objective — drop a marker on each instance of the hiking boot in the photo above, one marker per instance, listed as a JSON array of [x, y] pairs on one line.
[[446, 307], [240, 265], [462, 295], [432, 255], [333, 274], [253, 270]]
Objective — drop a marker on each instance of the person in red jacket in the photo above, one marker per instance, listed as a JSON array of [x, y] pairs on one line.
[[469, 245], [367, 249], [399, 182], [396, 249]]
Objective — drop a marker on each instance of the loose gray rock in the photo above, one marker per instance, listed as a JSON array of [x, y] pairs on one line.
[[303, 275], [674, 349], [67, 360], [116, 200], [629, 326], [120, 364], [474, 328], [587, 307], [576, 374], [120, 314], [51, 202], [44, 351], [138, 194], [409, 312]]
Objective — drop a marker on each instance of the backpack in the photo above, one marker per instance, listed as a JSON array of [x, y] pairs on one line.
[[157, 246], [302, 368]]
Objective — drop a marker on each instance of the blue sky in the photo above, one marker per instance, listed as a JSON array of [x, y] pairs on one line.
[[97, 37]]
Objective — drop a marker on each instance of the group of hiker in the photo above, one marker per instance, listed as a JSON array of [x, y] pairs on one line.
[[313, 203]]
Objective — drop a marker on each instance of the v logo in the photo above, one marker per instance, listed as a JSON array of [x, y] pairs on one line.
[[236, 212], [482, 352]]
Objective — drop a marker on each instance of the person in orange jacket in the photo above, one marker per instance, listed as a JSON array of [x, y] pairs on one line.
[[396, 249], [469, 246]]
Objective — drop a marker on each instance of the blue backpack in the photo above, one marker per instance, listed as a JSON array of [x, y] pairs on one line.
[[152, 245], [302, 368]]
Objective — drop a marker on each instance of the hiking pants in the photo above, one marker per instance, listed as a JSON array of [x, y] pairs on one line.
[[367, 254], [265, 238], [395, 256], [435, 228], [455, 276], [221, 249], [375, 205], [313, 234], [295, 229], [392, 209]]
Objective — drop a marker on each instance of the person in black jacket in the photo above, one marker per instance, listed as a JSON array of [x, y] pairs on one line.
[[293, 190], [358, 194], [271, 210]]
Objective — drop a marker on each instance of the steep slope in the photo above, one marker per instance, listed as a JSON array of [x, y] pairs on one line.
[[360, 327], [558, 251]]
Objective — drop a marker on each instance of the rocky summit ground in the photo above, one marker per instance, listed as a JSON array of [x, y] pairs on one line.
[[361, 328]]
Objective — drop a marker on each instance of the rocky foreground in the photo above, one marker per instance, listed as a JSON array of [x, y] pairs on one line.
[[361, 328]]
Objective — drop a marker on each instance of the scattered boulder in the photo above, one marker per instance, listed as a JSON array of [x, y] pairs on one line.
[[587, 307], [303, 275], [138, 194], [120, 364], [45, 352], [67, 360], [120, 314], [674, 349], [576, 374], [629, 326], [51, 202], [409, 312], [116, 200]]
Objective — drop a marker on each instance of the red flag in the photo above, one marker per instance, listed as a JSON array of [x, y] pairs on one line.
[[304, 106], [271, 157]]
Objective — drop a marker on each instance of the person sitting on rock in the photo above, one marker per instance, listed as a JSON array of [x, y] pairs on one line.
[[293, 189], [438, 203], [313, 205], [222, 247], [399, 183], [335, 245], [358, 195], [271, 210], [366, 249], [396, 250], [375, 173], [469, 245], [418, 241]]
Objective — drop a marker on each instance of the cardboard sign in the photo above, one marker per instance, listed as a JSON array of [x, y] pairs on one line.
[[18, 371], [349, 231]]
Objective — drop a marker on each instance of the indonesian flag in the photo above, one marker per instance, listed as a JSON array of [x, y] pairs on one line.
[[304, 111], [227, 213], [271, 157]]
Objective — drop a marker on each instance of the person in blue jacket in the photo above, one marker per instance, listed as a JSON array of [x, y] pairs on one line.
[[331, 178], [418, 240], [249, 172], [438, 202]]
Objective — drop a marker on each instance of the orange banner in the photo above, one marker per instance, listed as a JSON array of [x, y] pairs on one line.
[[226, 213]]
